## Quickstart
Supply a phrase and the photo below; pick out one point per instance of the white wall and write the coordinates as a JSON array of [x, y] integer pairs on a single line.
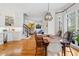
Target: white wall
[[18, 21], [51, 25], [18, 17]]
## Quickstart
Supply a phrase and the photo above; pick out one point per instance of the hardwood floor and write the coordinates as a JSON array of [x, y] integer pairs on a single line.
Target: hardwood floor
[[25, 47]]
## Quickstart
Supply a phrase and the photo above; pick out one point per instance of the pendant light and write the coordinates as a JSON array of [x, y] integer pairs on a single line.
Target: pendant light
[[48, 15]]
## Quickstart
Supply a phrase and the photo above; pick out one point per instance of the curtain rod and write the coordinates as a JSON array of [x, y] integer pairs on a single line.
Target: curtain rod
[[65, 9]]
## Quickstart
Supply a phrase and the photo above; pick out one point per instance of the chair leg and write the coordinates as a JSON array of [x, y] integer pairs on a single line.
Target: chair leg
[[62, 51], [36, 52], [70, 51], [45, 51]]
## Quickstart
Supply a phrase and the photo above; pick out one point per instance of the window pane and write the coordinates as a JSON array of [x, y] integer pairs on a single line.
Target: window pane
[[78, 20], [72, 21]]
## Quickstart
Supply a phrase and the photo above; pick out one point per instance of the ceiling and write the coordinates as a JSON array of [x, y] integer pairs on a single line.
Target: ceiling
[[32, 9]]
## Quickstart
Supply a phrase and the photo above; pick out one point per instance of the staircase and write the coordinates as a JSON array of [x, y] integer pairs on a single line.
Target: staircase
[[26, 30]]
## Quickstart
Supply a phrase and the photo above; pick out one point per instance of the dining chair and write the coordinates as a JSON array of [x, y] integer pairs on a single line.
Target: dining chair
[[40, 47], [66, 42]]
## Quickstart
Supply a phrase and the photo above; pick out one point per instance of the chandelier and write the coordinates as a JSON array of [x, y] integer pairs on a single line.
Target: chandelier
[[48, 15]]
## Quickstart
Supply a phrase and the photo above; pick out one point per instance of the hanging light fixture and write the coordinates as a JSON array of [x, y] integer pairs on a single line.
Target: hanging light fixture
[[48, 15]]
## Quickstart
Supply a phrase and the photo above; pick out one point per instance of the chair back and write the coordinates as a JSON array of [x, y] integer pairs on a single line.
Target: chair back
[[68, 36], [39, 40]]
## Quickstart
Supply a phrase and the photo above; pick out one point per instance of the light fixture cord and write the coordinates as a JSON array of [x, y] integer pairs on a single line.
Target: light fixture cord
[[48, 7]]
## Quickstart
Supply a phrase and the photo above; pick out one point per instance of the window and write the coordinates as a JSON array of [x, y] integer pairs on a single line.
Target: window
[[78, 21], [71, 21], [60, 23]]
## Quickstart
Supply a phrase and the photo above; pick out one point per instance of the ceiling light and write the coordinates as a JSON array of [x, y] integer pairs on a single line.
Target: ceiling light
[[48, 15]]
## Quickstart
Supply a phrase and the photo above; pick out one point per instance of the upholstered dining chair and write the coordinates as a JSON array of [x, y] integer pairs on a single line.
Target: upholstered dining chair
[[40, 47]]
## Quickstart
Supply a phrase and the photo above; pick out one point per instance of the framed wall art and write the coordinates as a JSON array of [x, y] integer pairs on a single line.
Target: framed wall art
[[9, 21]]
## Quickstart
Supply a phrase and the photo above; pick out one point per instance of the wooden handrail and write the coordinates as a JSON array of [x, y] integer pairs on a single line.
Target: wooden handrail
[[26, 27]]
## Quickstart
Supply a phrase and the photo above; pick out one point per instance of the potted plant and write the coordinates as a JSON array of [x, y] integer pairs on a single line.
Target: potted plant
[[77, 39]]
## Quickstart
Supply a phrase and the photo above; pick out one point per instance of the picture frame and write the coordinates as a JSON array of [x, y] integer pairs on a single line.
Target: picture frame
[[9, 21]]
